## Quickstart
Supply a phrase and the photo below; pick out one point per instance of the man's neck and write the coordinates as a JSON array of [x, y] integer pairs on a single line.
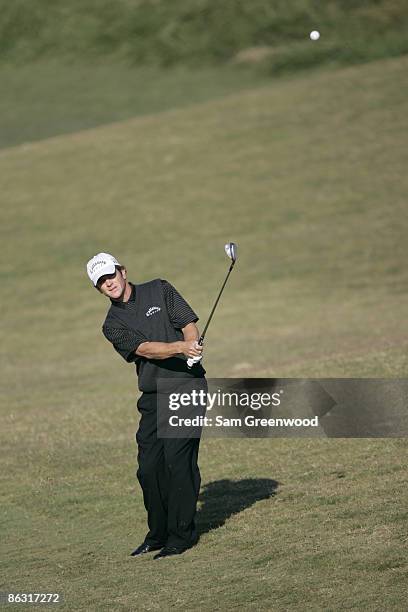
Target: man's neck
[[127, 293]]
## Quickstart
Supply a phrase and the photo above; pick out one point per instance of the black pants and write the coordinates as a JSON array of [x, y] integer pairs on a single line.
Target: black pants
[[170, 479]]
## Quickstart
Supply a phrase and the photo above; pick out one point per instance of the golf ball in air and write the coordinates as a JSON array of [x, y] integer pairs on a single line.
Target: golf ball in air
[[315, 35]]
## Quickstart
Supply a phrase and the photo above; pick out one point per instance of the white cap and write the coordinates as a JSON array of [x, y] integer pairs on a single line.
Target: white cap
[[102, 263]]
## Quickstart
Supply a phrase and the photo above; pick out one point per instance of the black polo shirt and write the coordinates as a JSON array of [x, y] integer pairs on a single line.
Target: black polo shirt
[[155, 312]]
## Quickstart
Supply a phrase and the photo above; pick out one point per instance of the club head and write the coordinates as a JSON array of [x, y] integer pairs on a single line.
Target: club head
[[231, 251]]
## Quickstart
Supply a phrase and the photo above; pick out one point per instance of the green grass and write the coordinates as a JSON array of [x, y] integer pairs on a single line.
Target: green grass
[[46, 98], [201, 32], [308, 175], [65, 67]]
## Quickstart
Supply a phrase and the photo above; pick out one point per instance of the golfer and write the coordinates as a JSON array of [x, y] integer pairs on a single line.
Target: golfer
[[152, 326]]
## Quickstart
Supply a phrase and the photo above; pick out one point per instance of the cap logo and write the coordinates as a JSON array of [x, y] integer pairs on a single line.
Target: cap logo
[[101, 262]]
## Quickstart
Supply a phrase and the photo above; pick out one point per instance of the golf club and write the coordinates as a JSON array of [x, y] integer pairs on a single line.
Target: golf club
[[231, 251]]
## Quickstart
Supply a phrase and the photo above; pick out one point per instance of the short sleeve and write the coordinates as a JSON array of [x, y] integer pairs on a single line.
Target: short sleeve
[[125, 341], [180, 312]]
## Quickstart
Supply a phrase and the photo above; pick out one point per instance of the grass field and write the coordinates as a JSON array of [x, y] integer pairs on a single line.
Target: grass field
[[43, 99], [308, 176]]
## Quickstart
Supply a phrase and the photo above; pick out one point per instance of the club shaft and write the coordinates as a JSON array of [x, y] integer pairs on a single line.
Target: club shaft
[[201, 340]]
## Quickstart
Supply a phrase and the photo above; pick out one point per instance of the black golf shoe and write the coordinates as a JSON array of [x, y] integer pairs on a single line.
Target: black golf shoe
[[143, 549], [169, 551]]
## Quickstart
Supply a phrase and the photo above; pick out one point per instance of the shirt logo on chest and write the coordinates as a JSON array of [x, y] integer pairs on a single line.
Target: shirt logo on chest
[[152, 310]]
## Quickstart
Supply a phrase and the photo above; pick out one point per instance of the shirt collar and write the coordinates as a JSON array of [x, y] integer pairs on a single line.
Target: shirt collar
[[131, 299]]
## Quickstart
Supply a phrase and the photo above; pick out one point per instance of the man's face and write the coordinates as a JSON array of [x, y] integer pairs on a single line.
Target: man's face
[[113, 285]]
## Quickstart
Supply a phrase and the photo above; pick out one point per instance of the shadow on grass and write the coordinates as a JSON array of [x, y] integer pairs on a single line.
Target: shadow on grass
[[223, 498]]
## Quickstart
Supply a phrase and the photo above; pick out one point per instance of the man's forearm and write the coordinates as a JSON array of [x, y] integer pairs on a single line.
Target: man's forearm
[[190, 332], [159, 350]]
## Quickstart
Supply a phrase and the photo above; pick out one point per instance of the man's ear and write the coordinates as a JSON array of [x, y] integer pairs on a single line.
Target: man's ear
[[123, 271]]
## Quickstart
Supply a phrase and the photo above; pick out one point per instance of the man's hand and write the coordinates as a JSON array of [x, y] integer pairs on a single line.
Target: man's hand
[[193, 360], [191, 348]]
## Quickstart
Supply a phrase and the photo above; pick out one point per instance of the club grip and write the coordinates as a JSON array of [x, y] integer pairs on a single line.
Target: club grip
[[190, 360]]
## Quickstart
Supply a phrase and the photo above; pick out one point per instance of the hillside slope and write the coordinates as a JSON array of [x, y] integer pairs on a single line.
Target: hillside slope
[[308, 177]]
